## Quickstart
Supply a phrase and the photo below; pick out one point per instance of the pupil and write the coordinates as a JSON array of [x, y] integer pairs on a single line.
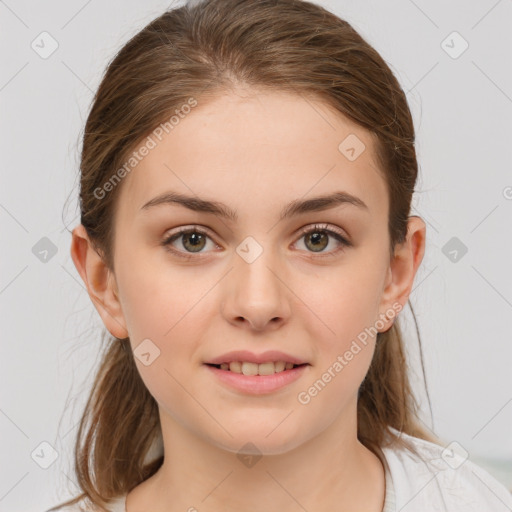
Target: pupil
[[194, 239], [315, 238]]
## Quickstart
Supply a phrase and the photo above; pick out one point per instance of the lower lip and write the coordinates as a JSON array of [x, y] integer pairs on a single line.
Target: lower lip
[[258, 384]]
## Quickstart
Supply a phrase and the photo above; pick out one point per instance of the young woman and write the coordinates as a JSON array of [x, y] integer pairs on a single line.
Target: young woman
[[246, 181]]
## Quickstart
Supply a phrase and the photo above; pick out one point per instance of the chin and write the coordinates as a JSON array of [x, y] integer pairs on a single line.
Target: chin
[[251, 441]]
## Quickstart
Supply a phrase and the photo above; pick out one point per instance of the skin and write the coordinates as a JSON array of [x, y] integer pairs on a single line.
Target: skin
[[254, 151]]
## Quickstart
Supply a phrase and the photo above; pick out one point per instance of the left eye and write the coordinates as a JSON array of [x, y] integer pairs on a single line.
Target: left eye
[[193, 240], [318, 236]]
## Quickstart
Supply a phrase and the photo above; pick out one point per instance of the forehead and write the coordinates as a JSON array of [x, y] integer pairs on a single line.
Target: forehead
[[256, 149]]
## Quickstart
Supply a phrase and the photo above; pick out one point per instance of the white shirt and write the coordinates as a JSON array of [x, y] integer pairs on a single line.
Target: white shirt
[[431, 483]]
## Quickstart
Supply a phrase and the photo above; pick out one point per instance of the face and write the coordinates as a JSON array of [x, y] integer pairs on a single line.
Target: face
[[310, 284]]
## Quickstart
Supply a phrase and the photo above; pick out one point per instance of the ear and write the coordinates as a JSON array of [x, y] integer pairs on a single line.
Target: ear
[[100, 282], [402, 270]]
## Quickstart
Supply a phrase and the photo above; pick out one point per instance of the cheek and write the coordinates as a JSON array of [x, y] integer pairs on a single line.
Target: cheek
[[343, 312], [343, 301], [170, 306], [165, 305], [158, 298]]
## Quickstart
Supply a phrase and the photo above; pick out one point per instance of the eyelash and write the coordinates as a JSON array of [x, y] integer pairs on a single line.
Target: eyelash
[[323, 228]]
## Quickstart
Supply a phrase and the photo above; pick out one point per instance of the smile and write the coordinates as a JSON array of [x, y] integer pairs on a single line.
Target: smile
[[256, 379], [248, 368]]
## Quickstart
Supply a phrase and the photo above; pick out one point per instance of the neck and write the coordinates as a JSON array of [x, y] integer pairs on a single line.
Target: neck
[[331, 471]]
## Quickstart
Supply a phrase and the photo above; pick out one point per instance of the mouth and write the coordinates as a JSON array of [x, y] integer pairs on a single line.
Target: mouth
[[251, 378], [262, 369]]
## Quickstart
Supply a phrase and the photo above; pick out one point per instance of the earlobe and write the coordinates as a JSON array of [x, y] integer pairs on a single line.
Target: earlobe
[[99, 281], [403, 267]]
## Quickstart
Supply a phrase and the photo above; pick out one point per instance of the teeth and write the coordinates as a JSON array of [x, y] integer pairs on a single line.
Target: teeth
[[279, 366], [250, 368], [257, 369], [235, 366]]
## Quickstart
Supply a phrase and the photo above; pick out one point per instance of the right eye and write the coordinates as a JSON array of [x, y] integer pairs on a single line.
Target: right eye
[[193, 240]]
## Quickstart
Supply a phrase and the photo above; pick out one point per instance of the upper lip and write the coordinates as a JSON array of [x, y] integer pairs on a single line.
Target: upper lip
[[251, 357]]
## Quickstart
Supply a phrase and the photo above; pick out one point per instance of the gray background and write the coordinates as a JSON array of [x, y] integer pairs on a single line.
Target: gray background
[[462, 110]]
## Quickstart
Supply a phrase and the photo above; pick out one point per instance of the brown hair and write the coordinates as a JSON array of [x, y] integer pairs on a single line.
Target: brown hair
[[282, 45]]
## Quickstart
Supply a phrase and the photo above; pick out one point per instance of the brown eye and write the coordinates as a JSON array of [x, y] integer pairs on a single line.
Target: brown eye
[[193, 240], [318, 237], [317, 240]]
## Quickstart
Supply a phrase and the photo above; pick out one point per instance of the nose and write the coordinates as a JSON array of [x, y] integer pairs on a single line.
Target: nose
[[256, 294]]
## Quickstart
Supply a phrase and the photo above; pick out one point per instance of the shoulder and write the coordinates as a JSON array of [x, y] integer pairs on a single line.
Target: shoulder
[[439, 479]]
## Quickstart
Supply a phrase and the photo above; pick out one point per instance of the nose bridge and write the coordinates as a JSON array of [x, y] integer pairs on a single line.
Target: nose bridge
[[253, 267], [256, 291]]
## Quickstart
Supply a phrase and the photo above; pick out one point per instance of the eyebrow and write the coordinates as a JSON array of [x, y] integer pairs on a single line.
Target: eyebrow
[[295, 207]]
